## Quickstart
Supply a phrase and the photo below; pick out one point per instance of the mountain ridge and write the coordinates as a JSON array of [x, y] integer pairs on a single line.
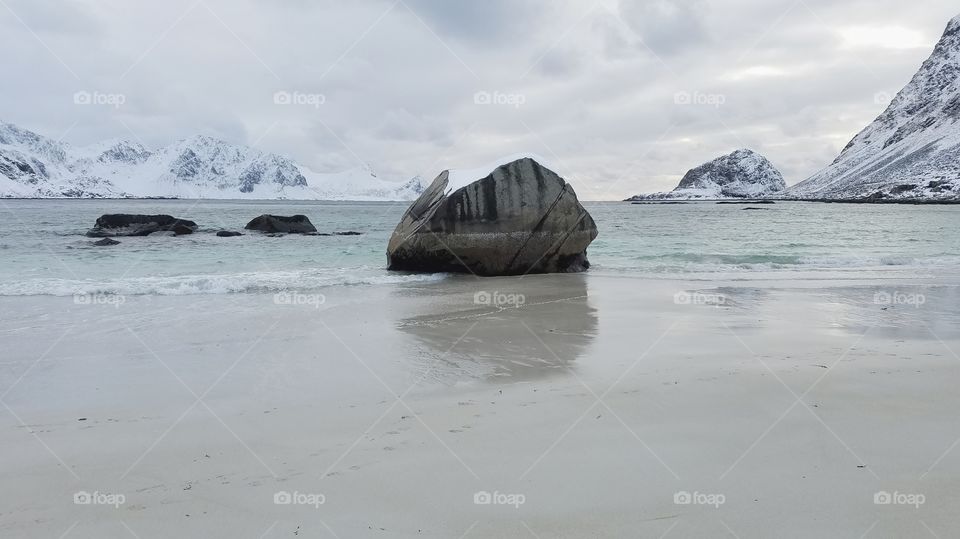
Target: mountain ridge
[[199, 166], [912, 149]]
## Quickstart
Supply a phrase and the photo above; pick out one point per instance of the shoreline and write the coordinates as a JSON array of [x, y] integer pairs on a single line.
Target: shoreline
[[696, 396], [906, 201]]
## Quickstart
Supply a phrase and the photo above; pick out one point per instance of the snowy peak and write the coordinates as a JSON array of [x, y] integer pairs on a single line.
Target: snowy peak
[[953, 27], [209, 162], [912, 149], [115, 151], [33, 166], [740, 174], [18, 139]]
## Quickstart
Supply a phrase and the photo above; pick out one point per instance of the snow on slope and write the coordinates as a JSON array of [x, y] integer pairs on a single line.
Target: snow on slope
[[912, 150], [33, 166], [741, 174]]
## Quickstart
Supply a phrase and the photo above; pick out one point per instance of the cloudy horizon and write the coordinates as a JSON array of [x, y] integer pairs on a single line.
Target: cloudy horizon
[[623, 97]]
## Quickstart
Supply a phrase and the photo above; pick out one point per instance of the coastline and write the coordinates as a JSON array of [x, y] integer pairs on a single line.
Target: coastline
[[909, 201], [864, 200], [697, 396]]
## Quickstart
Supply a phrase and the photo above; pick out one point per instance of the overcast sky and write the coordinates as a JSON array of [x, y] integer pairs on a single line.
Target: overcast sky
[[623, 96]]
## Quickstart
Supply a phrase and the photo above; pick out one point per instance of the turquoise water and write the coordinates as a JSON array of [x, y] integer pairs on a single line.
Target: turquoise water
[[44, 250]]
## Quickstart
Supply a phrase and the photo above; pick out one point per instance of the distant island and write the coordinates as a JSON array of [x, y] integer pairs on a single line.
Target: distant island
[[741, 174]]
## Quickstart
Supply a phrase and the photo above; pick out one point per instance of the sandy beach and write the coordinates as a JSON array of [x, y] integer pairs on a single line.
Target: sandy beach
[[542, 406]]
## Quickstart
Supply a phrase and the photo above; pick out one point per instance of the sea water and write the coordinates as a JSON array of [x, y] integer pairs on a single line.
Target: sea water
[[44, 251]]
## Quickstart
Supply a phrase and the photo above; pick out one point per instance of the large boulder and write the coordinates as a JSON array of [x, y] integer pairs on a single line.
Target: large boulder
[[296, 224], [123, 224], [521, 218]]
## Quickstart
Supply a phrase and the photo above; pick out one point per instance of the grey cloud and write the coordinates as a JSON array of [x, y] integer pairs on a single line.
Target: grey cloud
[[399, 99], [667, 26], [488, 21]]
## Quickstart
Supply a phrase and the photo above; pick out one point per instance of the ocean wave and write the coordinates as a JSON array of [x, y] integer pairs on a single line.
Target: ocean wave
[[723, 259], [185, 285], [700, 262]]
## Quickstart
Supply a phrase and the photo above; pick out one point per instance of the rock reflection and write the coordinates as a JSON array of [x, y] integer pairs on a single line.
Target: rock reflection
[[512, 329]]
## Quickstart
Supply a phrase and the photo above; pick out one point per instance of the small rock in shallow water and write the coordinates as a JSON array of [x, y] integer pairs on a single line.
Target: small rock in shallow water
[[122, 224], [106, 241], [228, 234], [180, 229]]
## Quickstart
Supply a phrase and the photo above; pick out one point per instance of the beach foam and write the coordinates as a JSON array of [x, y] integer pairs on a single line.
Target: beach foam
[[185, 285]]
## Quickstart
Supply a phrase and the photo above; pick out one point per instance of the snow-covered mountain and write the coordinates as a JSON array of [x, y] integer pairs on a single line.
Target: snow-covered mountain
[[33, 166], [741, 174], [912, 150]]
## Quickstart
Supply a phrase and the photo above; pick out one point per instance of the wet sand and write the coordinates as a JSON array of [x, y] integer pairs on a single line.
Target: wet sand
[[595, 408]]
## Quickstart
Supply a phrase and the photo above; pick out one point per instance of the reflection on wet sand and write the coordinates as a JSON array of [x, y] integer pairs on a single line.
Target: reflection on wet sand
[[516, 328]]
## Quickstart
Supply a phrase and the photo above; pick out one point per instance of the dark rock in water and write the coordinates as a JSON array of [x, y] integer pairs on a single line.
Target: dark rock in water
[[317, 234], [746, 202], [521, 218], [297, 224], [348, 233], [660, 202], [228, 234], [755, 208], [122, 224], [106, 241]]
